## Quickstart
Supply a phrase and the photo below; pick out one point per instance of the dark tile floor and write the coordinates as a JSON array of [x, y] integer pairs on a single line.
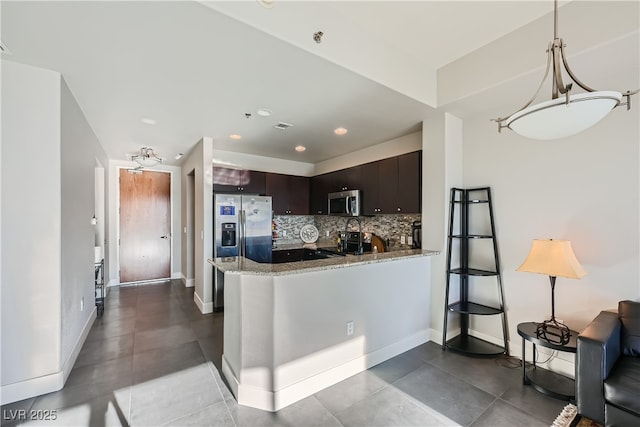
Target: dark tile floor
[[152, 359]]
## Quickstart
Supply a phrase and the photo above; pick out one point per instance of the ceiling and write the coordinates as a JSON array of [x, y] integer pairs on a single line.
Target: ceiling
[[197, 68]]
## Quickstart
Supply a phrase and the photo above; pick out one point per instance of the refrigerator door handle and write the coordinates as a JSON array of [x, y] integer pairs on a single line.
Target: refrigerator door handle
[[243, 241]]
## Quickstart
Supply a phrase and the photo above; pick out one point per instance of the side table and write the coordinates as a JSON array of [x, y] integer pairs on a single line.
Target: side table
[[547, 382]]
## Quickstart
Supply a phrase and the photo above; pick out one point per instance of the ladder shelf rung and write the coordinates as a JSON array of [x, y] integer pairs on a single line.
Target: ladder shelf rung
[[472, 236], [467, 307], [472, 272]]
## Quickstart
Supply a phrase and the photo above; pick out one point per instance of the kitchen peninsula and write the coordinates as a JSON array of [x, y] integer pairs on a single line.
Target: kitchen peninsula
[[295, 328]]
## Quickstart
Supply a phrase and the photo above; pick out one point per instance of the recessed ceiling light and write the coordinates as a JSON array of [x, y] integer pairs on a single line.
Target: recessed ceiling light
[[264, 112], [235, 136], [300, 148], [148, 121], [340, 131]]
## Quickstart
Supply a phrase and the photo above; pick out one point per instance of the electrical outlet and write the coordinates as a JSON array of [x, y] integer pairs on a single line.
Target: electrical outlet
[[82, 304], [402, 240], [327, 233], [284, 233], [409, 240], [350, 328]]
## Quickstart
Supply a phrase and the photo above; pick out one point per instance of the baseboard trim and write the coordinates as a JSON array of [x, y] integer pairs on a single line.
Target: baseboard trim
[[188, 283], [47, 383], [71, 360], [205, 307], [275, 400]]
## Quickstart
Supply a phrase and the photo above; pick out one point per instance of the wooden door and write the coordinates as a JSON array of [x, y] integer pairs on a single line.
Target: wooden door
[[145, 226]]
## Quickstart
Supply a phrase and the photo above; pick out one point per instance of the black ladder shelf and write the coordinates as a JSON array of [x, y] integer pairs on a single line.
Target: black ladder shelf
[[460, 235]]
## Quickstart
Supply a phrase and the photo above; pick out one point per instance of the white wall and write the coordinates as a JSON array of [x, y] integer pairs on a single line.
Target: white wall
[[199, 161], [79, 149], [47, 236], [442, 169], [260, 163], [282, 345], [394, 147], [585, 189], [31, 229], [114, 205]]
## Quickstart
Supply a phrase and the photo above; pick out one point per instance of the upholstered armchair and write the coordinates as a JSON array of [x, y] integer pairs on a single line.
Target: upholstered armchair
[[608, 367]]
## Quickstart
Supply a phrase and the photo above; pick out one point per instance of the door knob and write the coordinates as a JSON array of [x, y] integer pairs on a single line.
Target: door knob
[[164, 237]]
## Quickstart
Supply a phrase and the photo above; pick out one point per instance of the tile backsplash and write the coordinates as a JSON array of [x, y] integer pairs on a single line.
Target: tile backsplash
[[388, 227]]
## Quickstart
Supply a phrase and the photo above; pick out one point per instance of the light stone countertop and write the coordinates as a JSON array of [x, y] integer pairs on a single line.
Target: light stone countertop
[[241, 265]]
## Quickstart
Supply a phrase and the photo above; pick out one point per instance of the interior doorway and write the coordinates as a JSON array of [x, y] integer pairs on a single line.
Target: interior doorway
[[145, 226]]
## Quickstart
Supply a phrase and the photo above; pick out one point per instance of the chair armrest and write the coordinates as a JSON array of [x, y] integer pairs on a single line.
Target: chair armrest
[[597, 352]]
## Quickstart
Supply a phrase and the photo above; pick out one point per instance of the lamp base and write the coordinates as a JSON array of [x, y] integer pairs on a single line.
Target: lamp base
[[553, 331]]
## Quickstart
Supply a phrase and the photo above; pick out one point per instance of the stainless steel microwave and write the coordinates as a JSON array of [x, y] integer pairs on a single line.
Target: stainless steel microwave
[[346, 203]]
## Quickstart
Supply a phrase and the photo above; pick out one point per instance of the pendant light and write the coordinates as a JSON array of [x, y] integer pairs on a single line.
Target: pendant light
[[147, 158], [565, 114]]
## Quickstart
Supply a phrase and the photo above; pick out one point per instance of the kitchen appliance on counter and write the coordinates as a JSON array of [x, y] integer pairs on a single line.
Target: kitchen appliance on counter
[[350, 240], [241, 227], [416, 234], [344, 203]]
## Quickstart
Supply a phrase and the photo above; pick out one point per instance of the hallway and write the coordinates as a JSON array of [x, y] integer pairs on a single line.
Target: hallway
[[154, 359]]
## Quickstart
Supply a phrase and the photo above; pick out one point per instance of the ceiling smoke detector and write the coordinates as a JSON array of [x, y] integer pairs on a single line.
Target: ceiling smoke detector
[[283, 126]]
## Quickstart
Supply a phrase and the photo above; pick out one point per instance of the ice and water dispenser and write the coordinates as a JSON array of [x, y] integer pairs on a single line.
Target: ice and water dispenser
[[228, 234]]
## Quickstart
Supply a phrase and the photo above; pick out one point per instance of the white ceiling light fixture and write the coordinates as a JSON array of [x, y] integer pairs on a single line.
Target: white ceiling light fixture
[[235, 136], [268, 4], [566, 115], [300, 148], [264, 112], [340, 131], [147, 158]]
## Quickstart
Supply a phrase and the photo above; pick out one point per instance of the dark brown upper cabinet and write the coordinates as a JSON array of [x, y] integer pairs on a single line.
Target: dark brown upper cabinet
[[227, 180], [320, 188], [290, 193], [392, 185]]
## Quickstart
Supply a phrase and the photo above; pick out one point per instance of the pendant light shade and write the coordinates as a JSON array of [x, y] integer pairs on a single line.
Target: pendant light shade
[[147, 158], [558, 119]]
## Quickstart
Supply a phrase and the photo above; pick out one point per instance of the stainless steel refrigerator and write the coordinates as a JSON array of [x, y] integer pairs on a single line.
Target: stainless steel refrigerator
[[241, 227]]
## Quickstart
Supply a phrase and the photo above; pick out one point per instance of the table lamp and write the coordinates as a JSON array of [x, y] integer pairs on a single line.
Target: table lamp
[[553, 258]]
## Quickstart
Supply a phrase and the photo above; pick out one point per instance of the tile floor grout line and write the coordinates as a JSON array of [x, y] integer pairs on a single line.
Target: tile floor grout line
[[211, 367]]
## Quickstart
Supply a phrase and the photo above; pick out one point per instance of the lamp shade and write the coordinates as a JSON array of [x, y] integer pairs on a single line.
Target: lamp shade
[[553, 258], [556, 119]]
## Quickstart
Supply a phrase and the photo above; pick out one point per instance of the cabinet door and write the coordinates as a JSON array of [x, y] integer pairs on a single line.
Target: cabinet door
[[319, 191], [257, 183], [276, 187], [369, 188], [298, 191], [388, 185], [410, 182], [227, 180], [347, 179]]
